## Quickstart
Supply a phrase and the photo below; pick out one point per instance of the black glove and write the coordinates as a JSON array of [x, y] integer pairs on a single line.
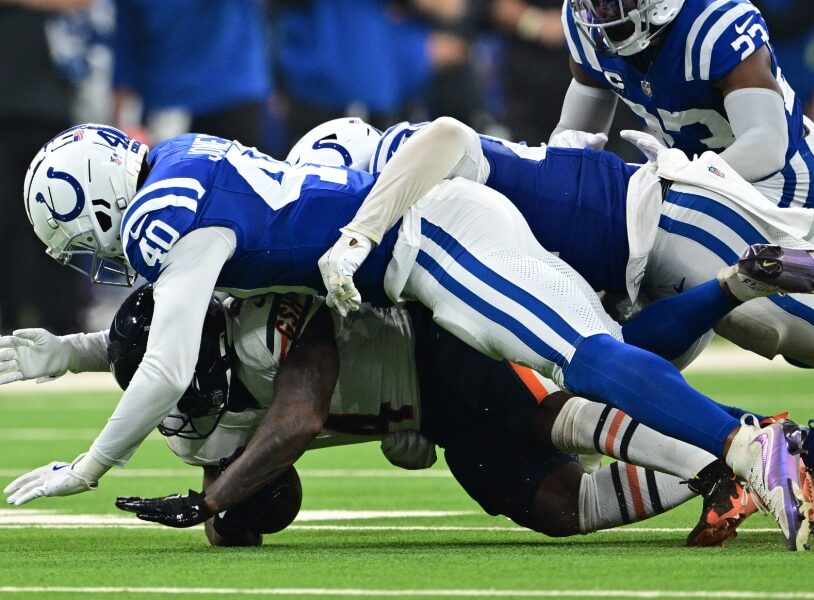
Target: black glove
[[172, 511]]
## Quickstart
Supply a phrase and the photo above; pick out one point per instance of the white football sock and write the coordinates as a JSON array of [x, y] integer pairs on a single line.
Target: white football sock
[[622, 493], [585, 427]]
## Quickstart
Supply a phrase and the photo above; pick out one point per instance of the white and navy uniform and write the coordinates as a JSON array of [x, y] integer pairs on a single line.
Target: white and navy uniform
[[614, 223], [398, 370], [376, 392], [676, 99]]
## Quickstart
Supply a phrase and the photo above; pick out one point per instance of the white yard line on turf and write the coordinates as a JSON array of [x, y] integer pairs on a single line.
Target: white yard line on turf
[[15, 518], [435, 593], [320, 473]]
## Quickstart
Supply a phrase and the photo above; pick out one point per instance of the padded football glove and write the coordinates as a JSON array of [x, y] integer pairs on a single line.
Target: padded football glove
[[172, 511]]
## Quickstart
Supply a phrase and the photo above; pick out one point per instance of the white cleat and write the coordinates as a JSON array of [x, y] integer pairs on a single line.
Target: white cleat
[[766, 459]]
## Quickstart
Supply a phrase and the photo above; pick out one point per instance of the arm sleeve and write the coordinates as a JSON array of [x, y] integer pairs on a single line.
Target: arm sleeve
[[444, 149], [586, 108], [88, 351], [758, 120], [182, 295]]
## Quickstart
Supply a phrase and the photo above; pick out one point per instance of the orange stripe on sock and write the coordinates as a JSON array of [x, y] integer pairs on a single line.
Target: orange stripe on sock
[[610, 440], [530, 380], [635, 491]]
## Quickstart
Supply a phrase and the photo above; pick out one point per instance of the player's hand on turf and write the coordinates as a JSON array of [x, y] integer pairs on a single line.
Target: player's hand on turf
[[647, 144], [573, 138], [409, 450], [172, 511], [32, 353], [54, 479], [338, 265]]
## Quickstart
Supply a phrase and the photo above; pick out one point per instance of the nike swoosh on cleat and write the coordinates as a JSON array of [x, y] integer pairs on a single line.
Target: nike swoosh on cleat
[[763, 440], [57, 468]]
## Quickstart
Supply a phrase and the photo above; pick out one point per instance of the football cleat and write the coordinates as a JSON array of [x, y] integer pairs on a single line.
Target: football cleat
[[767, 460], [807, 472], [764, 270], [727, 504]]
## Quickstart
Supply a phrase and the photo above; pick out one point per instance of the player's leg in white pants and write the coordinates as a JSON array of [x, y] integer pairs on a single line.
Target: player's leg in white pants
[[488, 281], [471, 258], [699, 233]]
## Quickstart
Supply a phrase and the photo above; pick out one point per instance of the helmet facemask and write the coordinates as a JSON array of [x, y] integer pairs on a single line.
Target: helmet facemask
[[622, 27]]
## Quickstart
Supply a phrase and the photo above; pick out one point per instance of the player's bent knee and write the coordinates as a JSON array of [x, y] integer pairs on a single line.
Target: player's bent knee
[[555, 506]]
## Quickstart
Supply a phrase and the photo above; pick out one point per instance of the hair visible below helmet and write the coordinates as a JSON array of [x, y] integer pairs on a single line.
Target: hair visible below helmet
[[76, 189], [623, 27], [347, 142], [204, 402]]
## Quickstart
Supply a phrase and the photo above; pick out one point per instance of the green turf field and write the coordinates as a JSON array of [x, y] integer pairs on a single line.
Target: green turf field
[[74, 546]]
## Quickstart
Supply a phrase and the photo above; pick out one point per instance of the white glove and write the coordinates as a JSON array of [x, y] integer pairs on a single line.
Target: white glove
[[54, 479], [648, 144], [409, 450], [573, 138], [32, 353], [338, 265]]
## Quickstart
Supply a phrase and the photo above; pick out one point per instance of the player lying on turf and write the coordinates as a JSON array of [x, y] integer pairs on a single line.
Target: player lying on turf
[[506, 431], [635, 233], [202, 212]]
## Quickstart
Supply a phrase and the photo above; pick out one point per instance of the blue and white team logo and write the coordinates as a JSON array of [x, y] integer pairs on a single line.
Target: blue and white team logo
[[77, 188]]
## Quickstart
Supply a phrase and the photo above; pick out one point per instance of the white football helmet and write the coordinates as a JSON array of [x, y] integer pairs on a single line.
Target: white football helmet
[[623, 27], [76, 190], [348, 142]]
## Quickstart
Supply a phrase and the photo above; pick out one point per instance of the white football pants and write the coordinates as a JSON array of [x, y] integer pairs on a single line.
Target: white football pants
[[466, 253]]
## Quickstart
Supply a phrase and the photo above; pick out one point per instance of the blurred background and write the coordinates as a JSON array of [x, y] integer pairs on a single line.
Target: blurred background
[[265, 72]]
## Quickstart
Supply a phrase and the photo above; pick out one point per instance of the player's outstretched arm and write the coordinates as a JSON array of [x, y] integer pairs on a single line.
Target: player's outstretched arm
[[443, 149], [302, 397], [41, 355], [757, 113], [182, 294]]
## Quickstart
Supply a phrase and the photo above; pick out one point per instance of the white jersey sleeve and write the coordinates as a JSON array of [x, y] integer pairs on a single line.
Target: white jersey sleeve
[[444, 149], [182, 294]]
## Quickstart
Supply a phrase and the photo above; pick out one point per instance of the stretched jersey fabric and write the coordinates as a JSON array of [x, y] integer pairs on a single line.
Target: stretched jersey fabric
[[676, 98], [574, 200], [284, 218]]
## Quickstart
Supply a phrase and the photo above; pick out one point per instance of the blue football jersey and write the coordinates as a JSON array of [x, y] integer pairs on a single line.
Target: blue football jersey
[[574, 200], [675, 96], [284, 218]]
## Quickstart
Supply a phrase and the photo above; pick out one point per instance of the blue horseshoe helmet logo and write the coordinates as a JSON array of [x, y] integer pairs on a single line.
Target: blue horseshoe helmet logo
[[80, 196]]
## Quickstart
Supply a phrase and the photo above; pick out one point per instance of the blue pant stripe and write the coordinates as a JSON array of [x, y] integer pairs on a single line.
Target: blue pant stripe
[[808, 159], [743, 228], [498, 283], [719, 212], [488, 310], [696, 234], [790, 185]]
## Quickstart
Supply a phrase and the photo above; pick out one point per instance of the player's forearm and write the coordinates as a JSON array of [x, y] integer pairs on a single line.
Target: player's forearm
[[758, 119], [88, 352], [439, 151], [586, 108]]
